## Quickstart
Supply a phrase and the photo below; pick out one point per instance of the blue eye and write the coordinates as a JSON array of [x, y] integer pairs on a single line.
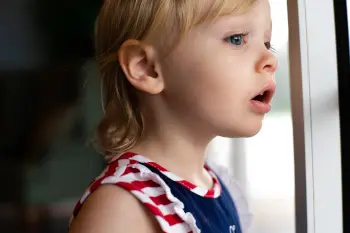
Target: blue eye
[[237, 39]]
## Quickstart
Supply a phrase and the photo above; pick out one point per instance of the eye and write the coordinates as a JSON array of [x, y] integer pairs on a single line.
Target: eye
[[237, 40]]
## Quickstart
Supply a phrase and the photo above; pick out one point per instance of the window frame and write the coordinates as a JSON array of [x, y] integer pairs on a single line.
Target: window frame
[[315, 113]]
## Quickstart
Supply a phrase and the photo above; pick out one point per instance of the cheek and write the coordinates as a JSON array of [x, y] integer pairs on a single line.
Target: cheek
[[221, 76], [213, 94], [214, 78], [222, 89]]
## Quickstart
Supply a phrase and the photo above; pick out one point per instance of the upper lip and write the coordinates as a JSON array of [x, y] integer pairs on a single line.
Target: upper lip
[[268, 91]]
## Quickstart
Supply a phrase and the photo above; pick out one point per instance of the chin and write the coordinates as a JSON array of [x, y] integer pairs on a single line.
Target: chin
[[251, 133], [243, 131]]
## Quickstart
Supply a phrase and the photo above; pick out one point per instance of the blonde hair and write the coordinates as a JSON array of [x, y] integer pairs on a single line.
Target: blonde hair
[[120, 20]]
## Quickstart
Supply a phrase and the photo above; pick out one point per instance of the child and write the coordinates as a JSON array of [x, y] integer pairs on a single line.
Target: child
[[175, 74]]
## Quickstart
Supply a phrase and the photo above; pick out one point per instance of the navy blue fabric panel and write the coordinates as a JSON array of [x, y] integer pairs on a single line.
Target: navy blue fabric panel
[[213, 215]]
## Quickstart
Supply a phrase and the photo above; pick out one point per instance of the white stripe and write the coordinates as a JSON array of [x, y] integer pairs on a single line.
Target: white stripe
[[217, 189], [123, 162], [167, 209], [118, 172], [172, 176], [143, 198], [200, 191], [126, 178], [177, 228], [153, 191], [164, 225], [180, 228], [146, 193], [217, 192], [86, 194]]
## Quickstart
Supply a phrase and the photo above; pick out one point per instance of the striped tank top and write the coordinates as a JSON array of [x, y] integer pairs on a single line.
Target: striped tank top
[[178, 205]]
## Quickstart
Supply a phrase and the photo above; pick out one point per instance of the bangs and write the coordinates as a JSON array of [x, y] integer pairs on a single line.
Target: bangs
[[209, 10], [195, 12], [175, 18]]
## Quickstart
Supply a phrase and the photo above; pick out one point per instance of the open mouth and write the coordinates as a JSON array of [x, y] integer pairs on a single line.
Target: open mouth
[[264, 97], [261, 101]]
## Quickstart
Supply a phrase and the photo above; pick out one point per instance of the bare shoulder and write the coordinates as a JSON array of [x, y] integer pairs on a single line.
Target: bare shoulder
[[111, 209]]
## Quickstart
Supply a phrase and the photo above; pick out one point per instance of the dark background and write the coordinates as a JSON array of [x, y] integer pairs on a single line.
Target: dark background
[[49, 107]]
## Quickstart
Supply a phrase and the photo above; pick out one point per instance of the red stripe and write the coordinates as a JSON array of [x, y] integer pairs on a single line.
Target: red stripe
[[76, 209], [173, 219], [95, 185], [210, 193], [110, 171], [138, 185], [127, 155], [161, 200], [187, 184], [129, 170], [215, 180], [153, 209], [145, 184]]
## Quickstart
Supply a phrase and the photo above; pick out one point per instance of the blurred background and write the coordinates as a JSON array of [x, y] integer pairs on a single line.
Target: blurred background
[[49, 93]]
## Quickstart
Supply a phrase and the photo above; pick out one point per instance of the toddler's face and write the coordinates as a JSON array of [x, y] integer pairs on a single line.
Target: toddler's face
[[215, 72]]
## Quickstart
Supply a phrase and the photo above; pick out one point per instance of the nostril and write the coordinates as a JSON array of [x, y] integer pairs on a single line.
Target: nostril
[[267, 64], [270, 68]]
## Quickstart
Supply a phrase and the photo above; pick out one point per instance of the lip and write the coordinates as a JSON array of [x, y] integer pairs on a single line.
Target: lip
[[264, 106]]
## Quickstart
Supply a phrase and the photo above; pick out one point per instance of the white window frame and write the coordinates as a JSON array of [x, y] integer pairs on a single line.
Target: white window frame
[[315, 112]]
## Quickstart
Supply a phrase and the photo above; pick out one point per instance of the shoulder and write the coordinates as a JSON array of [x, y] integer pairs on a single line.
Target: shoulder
[[113, 209]]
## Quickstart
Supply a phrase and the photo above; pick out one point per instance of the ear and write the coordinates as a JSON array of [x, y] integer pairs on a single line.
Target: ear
[[138, 62]]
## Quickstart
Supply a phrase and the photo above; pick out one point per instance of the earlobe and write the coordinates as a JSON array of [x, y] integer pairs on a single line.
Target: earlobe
[[138, 62]]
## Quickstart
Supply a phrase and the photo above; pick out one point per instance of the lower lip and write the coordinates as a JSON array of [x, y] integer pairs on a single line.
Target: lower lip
[[260, 107]]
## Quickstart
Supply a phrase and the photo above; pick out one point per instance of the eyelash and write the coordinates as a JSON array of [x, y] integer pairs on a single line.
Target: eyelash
[[244, 35], [269, 46]]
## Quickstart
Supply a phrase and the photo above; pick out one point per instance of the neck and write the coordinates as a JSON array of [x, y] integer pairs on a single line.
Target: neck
[[173, 152], [176, 147]]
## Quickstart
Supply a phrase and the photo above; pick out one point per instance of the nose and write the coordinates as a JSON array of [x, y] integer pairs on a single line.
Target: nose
[[268, 63]]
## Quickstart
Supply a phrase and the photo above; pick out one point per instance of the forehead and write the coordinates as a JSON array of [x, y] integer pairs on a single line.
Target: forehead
[[259, 8], [258, 15]]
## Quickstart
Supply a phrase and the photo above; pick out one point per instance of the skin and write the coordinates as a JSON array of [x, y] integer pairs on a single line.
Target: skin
[[111, 209], [202, 89]]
